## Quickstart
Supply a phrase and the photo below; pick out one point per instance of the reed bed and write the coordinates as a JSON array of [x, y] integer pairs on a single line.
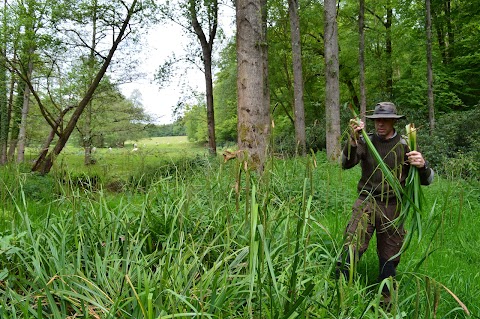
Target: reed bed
[[190, 246]]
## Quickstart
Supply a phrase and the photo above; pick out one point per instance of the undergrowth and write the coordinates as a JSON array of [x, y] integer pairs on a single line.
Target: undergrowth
[[209, 240]]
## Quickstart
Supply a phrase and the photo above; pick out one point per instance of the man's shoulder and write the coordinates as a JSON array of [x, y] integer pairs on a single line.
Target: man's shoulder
[[403, 140], [370, 136]]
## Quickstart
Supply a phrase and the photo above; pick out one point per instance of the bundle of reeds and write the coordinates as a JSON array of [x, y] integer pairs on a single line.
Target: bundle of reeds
[[413, 198]]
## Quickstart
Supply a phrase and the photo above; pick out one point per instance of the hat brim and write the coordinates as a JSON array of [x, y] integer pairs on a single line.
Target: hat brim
[[385, 116]]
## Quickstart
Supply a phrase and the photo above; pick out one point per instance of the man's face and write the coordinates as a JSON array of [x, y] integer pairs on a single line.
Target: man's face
[[384, 127]]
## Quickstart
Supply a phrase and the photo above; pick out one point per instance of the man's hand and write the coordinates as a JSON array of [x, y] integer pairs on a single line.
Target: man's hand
[[416, 159], [355, 127]]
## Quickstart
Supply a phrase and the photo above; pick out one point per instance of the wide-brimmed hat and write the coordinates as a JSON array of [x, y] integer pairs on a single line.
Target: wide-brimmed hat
[[385, 110]]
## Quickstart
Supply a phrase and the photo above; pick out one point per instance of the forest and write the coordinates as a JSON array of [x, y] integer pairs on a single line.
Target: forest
[[237, 208]]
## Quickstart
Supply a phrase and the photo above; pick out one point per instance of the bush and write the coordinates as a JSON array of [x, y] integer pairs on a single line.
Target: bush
[[144, 177], [37, 187], [17, 179], [315, 138], [454, 148]]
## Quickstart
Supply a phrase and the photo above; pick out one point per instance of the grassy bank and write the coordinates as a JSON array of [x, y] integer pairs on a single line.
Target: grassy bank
[[180, 241]]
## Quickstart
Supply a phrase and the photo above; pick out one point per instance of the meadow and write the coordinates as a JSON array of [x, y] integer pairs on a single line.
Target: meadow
[[168, 232]]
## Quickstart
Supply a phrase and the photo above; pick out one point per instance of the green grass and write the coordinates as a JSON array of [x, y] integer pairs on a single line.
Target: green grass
[[186, 244], [122, 160]]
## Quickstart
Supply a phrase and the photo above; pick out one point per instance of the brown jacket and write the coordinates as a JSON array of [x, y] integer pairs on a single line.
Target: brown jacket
[[393, 151]]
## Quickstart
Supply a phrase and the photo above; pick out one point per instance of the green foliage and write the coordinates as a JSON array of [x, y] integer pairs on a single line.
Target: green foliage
[[454, 147], [225, 96], [19, 181], [196, 123], [144, 177], [125, 119], [39, 188], [456, 77], [174, 129], [284, 138]]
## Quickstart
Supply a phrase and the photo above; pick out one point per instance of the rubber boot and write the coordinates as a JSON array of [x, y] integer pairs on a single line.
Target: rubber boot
[[343, 268], [343, 264], [387, 269]]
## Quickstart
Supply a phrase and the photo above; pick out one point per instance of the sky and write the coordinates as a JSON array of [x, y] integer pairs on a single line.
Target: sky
[[161, 42]]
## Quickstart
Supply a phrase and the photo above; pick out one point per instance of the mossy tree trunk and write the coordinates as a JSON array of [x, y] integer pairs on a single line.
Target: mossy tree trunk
[[252, 82], [332, 90]]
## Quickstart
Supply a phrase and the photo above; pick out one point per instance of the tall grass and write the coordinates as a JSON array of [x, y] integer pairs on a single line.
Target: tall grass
[[189, 245]]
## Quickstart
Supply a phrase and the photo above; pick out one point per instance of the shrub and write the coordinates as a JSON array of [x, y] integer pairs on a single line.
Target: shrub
[[454, 148], [145, 176], [315, 138], [37, 187], [17, 179]]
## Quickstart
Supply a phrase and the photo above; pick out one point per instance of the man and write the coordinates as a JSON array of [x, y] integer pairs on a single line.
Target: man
[[377, 205]]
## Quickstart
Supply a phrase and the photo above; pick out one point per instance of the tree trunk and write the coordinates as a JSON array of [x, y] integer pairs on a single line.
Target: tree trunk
[[388, 51], [27, 53], [450, 33], [298, 101], [252, 82], [87, 139], [207, 47], [15, 115], [332, 91], [361, 60], [212, 145], [37, 166], [45, 164], [431, 107], [3, 90], [22, 134]]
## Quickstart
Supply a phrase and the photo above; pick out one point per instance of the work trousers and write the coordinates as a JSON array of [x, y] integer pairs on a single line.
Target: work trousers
[[370, 215]]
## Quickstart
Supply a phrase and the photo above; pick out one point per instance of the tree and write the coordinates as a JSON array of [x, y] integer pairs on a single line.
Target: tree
[[195, 117], [388, 50], [361, 59], [44, 163], [252, 81], [225, 93], [428, 27], [386, 21], [456, 85], [207, 48], [91, 66], [332, 91], [125, 118], [201, 19], [29, 22], [298, 104], [4, 115]]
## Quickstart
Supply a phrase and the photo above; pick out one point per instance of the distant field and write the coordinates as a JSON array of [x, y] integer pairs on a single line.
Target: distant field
[[120, 161], [161, 141]]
